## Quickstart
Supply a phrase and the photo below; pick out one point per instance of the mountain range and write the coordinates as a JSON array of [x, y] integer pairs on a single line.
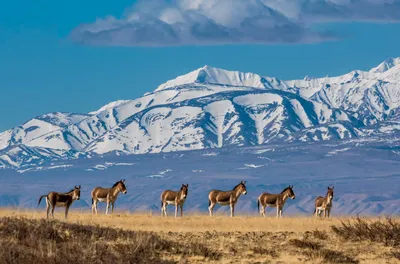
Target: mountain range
[[215, 108]]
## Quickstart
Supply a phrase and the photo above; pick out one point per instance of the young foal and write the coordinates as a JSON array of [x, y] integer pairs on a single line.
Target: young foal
[[324, 203], [55, 199], [275, 200], [107, 195], [226, 198], [176, 198]]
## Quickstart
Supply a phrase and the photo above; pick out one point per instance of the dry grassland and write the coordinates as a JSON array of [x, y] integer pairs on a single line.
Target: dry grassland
[[146, 238]]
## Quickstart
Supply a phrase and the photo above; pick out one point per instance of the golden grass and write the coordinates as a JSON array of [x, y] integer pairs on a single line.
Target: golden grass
[[242, 239], [189, 223]]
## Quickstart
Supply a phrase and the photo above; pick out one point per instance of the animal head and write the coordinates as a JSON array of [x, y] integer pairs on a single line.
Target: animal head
[[242, 187], [330, 192], [184, 191], [121, 186], [289, 191], [76, 192]]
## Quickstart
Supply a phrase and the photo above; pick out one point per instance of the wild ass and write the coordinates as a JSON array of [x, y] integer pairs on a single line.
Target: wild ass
[[107, 195], [226, 197], [275, 200], [176, 198], [55, 199], [324, 203]]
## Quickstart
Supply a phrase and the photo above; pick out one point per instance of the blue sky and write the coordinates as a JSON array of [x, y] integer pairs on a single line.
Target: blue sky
[[47, 64]]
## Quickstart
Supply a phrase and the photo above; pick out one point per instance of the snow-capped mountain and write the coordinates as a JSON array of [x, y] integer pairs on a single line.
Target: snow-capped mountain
[[214, 108]]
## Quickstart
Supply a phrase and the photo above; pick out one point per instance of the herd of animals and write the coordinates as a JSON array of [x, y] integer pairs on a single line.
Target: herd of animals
[[110, 195]]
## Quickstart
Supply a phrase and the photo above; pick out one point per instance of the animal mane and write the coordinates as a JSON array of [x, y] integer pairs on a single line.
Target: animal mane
[[69, 191], [284, 190], [115, 184], [236, 186]]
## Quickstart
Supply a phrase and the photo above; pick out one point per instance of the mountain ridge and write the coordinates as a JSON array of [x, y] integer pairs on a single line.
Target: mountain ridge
[[211, 108]]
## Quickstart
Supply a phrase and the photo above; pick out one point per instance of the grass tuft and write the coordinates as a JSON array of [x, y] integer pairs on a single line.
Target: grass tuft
[[40, 241], [386, 231]]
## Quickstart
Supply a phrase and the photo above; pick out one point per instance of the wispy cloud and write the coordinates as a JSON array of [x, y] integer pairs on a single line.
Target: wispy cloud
[[210, 22]]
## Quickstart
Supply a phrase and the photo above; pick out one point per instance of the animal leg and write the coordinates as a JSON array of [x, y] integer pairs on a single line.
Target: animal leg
[[66, 212], [95, 206], [211, 208], [108, 206], [280, 212], [325, 213], [263, 208], [277, 212], [232, 210], [181, 210], [47, 209], [112, 207], [329, 212], [176, 210], [53, 207]]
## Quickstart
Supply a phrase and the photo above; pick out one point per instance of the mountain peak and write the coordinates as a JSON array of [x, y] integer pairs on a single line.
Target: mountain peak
[[386, 65], [212, 75]]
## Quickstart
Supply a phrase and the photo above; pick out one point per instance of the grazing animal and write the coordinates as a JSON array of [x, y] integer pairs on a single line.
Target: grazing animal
[[275, 200], [176, 198], [55, 199], [107, 195], [226, 197], [324, 203]]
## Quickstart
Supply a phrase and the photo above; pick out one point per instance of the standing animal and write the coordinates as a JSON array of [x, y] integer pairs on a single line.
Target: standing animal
[[107, 195], [176, 198], [55, 199], [324, 203], [275, 200], [226, 197]]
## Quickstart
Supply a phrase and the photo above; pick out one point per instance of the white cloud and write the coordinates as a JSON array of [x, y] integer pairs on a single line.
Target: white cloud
[[208, 22]]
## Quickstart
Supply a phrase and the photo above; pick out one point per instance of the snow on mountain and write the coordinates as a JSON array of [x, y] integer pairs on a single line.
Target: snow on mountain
[[372, 96], [38, 127], [210, 75], [214, 108], [229, 118], [108, 106], [386, 65]]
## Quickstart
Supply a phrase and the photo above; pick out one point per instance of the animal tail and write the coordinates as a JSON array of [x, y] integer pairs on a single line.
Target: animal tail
[[92, 201], [161, 204], [315, 210], [258, 205], [41, 197], [209, 202]]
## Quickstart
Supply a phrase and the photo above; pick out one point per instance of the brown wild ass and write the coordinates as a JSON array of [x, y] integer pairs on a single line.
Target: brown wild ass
[[107, 195], [226, 198], [324, 203], [175, 198], [55, 199], [275, 200]]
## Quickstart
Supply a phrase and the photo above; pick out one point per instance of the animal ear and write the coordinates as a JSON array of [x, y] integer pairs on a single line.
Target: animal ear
[[187, 185], [291, 187], [333, 187], [244, 182], [79, 186]]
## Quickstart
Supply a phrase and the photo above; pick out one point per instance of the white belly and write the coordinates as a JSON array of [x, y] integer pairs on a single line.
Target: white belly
[[102, 199], [271, 205], [320, 208], [224, 203], [60, 204], [170, 202]]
